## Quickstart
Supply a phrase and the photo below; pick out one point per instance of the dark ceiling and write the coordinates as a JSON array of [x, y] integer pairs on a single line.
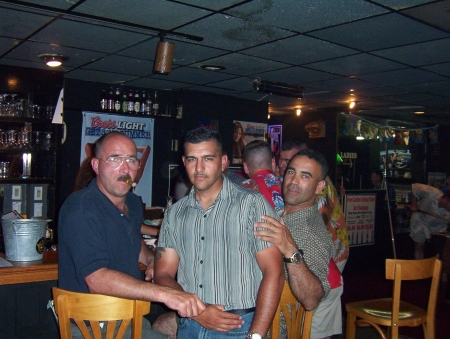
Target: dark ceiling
[[394, 54]]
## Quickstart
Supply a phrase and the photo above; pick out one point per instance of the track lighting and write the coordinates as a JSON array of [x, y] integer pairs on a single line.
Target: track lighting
[[278, 88], [352, 104], [163, 57]]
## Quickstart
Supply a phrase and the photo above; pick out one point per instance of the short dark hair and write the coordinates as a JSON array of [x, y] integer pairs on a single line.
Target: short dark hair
[[317, 156], [293, 143], [201, 134], [257, 154]]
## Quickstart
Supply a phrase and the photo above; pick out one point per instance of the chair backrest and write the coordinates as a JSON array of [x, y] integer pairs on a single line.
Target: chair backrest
[[298, 320], [399, 270], [92, 309]]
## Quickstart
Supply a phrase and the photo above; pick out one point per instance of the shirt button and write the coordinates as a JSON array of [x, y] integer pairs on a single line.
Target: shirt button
[[203, 238], [201, 261], [204, 216], [201, 286]]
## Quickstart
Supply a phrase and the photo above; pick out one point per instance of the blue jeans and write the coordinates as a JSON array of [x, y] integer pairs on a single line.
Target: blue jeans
[[190, 329]]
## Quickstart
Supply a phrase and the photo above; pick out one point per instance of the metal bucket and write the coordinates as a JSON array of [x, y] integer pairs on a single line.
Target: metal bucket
[[24, 239]]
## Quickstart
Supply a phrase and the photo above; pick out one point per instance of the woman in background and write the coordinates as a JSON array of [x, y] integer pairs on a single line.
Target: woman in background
[[238, 143]]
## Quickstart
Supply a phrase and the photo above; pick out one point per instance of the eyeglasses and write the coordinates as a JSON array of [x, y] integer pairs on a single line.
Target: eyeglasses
[[114, 162]]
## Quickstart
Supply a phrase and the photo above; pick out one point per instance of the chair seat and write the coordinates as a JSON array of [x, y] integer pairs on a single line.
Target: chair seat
[[380, 311]]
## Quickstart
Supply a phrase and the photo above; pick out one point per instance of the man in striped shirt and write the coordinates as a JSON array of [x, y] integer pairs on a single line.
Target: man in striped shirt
[[207, 241]]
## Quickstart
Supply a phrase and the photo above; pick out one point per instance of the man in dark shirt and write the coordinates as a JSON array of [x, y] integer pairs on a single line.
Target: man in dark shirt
[[100, 244]]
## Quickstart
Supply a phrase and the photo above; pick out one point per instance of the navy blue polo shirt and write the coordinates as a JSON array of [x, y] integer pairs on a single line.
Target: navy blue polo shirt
[[94, 234]]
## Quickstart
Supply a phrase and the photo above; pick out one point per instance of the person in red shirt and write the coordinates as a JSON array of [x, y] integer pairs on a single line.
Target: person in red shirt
[[259, 165]]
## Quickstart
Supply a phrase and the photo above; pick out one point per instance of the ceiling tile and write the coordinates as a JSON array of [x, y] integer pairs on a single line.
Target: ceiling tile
[[237, 84], [355, 65], [402, 77], [305, 15], [97, 76], [226, 32], [295, 75], [436, 14], [161, 14], [380, 32], [243, 64], [299, 49], [155, 83], [215, 5], [17, 24], [75, 57], [441, 88], [92, 37], [442, 69], [400, 4], [426, 53], [61, 4], [184, 53], [194, 75], [6, 44], [123, 65]]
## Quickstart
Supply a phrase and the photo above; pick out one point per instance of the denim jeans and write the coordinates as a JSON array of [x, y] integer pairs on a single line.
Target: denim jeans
[[190, 329]]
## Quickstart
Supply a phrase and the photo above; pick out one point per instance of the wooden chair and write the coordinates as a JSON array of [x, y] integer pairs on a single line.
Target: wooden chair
[[86, 308], [298, 320], [392, 312]]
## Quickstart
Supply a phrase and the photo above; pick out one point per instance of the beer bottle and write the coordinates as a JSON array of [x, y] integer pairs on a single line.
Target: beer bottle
[[155, 107], [148, 105], [103, 101], [137, 103], [143, 103], [117, 101], [124, 103], [130, 108], [111, 100]]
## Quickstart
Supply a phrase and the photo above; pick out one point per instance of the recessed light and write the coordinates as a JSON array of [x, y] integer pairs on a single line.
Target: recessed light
[[212, 67], [419, 112]]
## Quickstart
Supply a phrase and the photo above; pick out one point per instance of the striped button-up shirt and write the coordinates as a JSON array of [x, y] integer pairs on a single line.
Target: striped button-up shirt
[[217, 247]]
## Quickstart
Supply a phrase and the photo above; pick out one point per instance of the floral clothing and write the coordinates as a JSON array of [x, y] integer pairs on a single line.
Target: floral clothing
[[269, 185]]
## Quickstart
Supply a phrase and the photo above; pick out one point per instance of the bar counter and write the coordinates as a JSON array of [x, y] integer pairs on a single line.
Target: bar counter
[[32, 271]]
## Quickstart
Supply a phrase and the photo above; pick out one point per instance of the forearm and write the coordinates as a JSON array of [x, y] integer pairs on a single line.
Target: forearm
[[267, 300], [110, 282], [305, 286], [167, 280]]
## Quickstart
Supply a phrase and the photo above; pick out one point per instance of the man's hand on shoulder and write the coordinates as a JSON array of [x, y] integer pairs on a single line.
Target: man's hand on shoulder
[[214, 318], [276, 233]]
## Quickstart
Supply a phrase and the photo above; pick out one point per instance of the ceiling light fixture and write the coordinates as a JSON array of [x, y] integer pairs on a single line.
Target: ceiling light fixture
[[352, 104], [268, 116], [278, 88], [419, 112], [52, 60], [298, 111], [164, 56]]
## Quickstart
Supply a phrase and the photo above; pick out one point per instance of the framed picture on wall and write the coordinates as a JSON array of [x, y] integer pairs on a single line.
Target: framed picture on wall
[[243, 133]]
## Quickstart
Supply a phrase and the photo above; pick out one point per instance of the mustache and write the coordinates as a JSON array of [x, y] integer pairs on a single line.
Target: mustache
[[124, 177], [293, 187]]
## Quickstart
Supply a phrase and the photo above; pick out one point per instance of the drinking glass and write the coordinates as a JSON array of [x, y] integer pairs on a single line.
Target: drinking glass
[[48, 141], [36, 140]]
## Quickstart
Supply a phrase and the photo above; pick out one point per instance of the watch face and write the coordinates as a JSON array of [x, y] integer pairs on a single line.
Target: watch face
[[296, 257], [255, 336]]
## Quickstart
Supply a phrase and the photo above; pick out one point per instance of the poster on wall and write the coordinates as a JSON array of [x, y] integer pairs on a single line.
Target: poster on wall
[[138, 129], [360, 217], [243, 133]]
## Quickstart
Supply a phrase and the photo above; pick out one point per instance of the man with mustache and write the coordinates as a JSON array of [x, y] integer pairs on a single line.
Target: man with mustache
[[305, 243], [207, 242], [100, 243]]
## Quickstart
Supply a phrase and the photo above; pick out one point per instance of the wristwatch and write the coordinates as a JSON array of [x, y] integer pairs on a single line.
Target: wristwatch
[[296, 258], [254, 336]]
